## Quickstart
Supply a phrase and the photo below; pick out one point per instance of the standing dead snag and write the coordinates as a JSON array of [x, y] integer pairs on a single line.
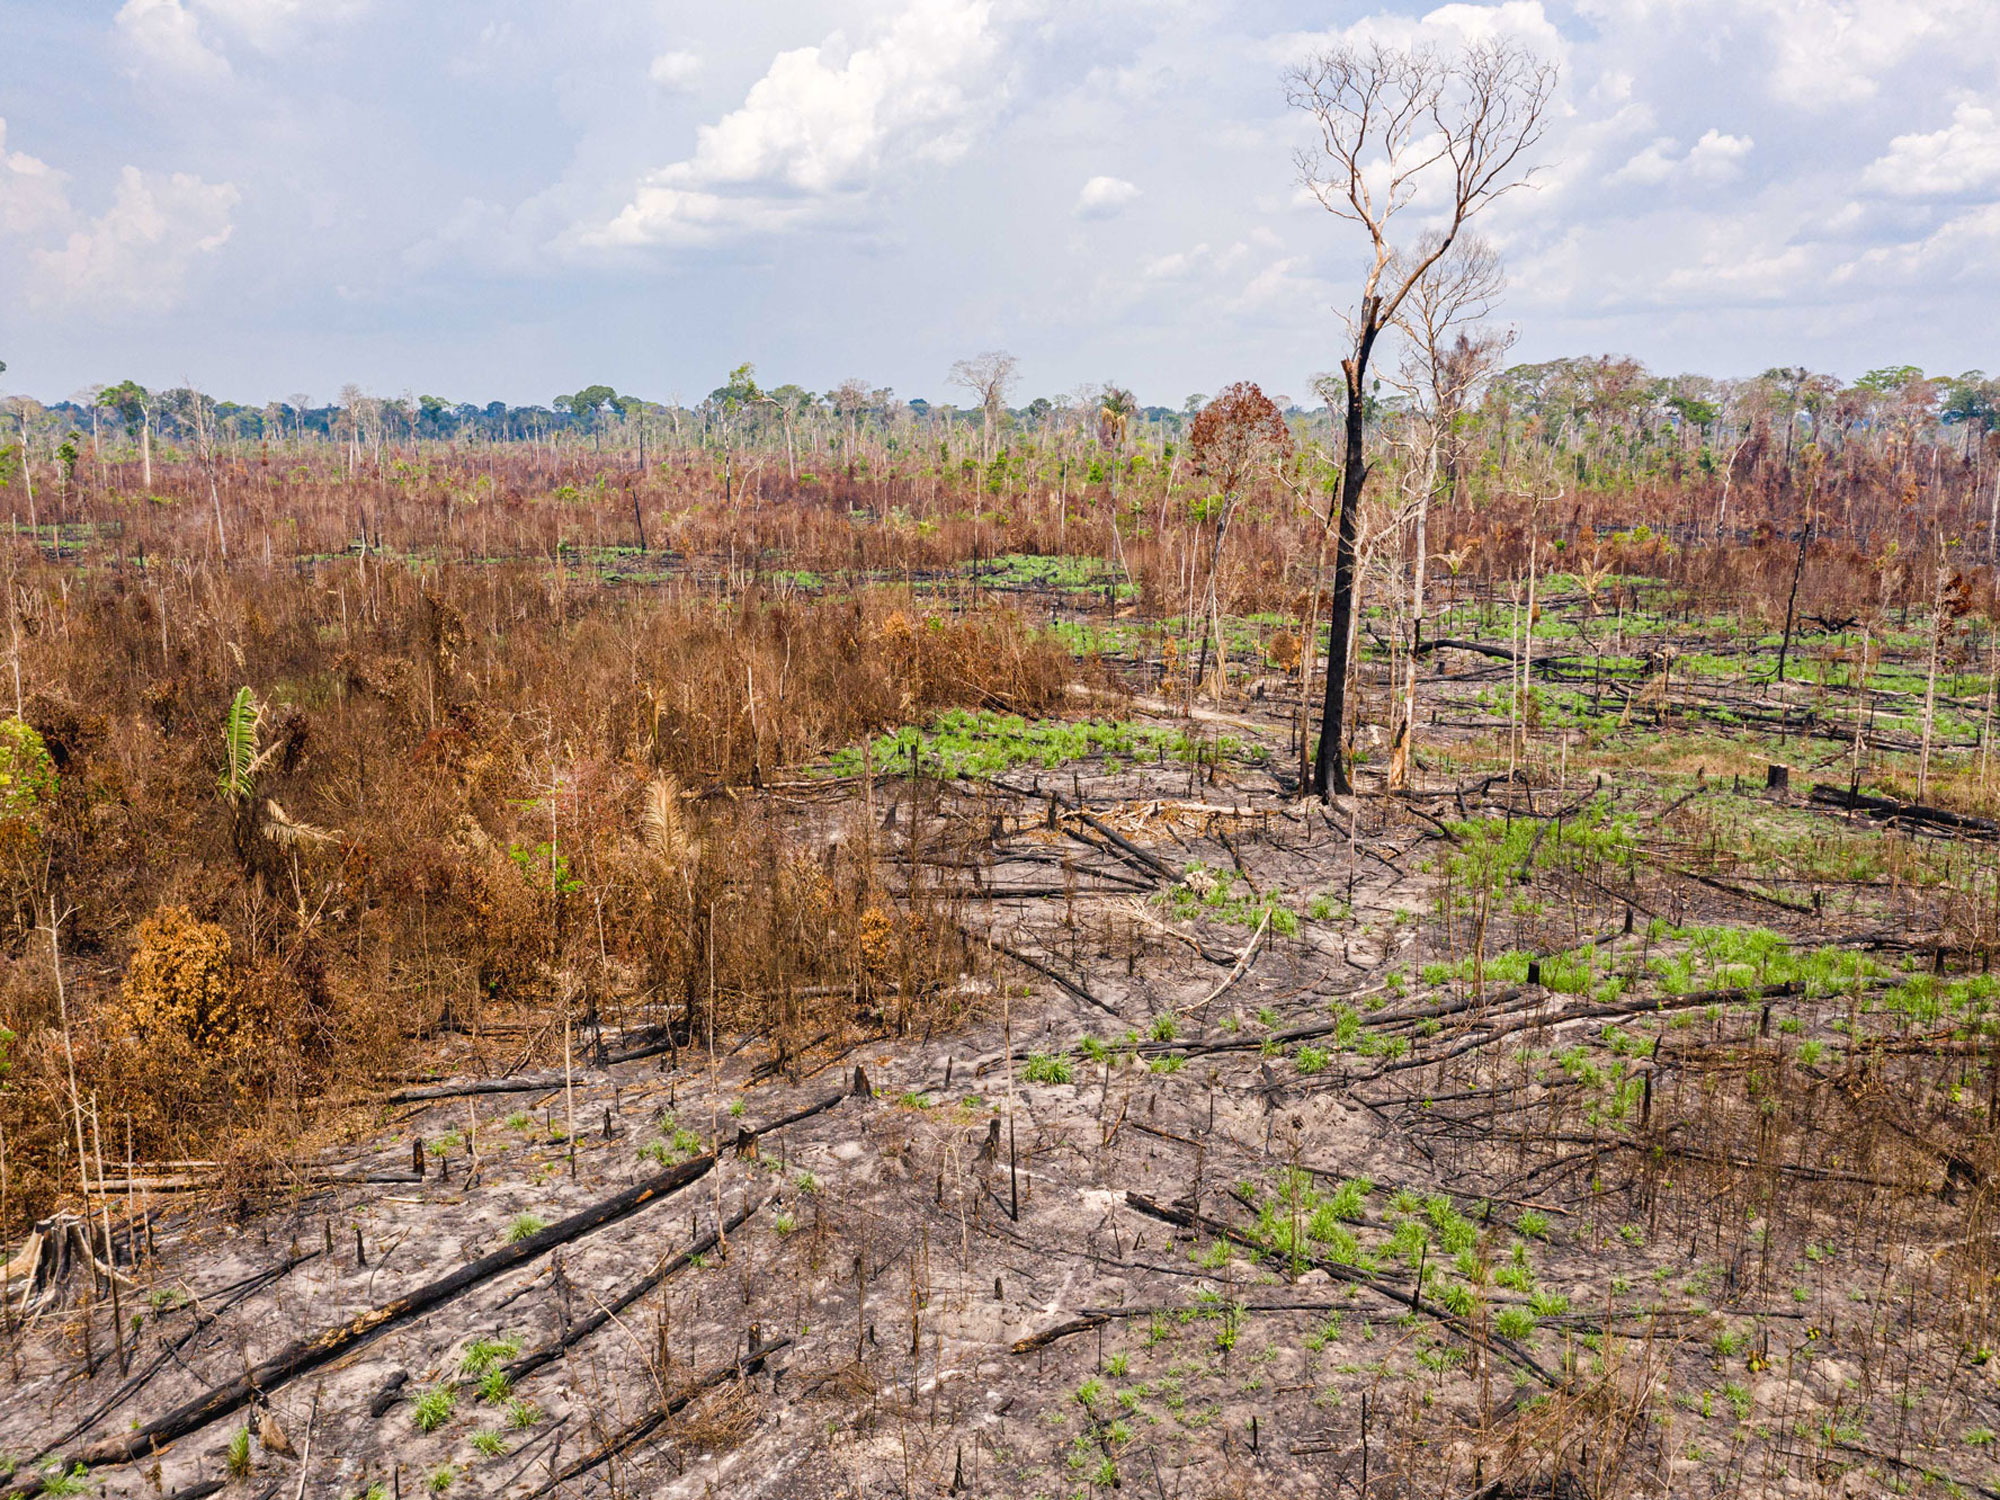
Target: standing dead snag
[[989, 377], [1439, 372], [1391, 121]]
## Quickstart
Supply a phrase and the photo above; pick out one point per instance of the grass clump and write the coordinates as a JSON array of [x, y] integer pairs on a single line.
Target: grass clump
[[1046, 1068], [1213, 894], [525, 1226], [432, 1408], [481, 1355]]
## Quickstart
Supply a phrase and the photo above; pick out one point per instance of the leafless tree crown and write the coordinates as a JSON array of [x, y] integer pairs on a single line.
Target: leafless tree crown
[[1395, 120], [988, 376], [1447, 351]]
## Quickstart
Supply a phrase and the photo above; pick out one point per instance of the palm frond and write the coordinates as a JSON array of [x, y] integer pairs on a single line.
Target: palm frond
[[660, 822], [240, 728], [281, 828]]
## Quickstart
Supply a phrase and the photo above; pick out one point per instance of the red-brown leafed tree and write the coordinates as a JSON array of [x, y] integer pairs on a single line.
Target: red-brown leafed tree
[[1239, 432]]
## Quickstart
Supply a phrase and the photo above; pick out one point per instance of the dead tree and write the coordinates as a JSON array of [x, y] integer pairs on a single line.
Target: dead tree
[[989, 377], [1393, 121], [1442, 364]]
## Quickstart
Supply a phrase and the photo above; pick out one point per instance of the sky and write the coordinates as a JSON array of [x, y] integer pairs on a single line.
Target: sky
[[490, 200]]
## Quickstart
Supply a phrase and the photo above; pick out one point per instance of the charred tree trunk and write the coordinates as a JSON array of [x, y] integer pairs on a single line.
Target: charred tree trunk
[[1330, 764]]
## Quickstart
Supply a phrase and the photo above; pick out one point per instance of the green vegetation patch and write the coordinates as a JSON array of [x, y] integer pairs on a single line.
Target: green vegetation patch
[[983, 743]]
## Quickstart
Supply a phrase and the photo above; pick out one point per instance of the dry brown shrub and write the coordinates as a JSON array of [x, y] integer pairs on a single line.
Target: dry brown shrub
[[181, 991]]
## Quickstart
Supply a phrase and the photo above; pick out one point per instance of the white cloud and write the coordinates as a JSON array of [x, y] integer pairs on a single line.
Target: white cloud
[[1653, 165], [271, 23], [1522, 20], [816, 128], [675, 70], [1965, 248], [1715, 158], [1822, 54], [164, 38], [176, 38], [32, 198], [1518, 20], [1104, 197], [1962, 158], [1833, 52], [1201, 260], [138, 252]]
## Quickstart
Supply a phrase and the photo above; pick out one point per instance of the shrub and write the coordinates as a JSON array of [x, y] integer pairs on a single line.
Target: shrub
[[180, 989], [27, 774]]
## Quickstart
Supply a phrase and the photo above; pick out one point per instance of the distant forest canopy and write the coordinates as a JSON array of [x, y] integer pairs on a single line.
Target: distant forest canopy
[[1609, 417]]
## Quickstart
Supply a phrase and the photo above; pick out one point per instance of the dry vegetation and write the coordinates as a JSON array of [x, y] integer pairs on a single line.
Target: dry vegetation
[[440, 963]]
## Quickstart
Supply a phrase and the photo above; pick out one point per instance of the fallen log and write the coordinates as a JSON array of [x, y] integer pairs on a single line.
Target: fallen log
[[308, 1354], [520, 1083], [1888, 809], [1046, 972], [205, 1312], [1730, 888], [638, 1431], [1507, 1348], [534, 1359], [1061, 1331], [1097, 1317], [1546, 665]]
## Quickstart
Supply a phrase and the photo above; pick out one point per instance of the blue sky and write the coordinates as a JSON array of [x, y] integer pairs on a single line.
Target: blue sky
[[500, 200]]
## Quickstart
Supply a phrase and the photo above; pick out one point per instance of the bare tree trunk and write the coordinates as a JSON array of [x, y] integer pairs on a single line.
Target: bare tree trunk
[[1513, 687], [1308, 649], [1930, 679], [1528, 640], [1993, 522], [1329, 765], [1792, 603], [1406, 728], [1992, 682]]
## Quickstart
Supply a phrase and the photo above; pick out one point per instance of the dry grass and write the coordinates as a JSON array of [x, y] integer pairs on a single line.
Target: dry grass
[[481, 800]]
